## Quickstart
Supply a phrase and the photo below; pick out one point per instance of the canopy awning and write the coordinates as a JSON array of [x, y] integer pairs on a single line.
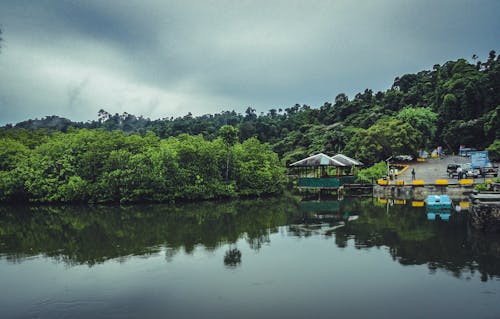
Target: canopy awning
[[318, 160], [346, 160]]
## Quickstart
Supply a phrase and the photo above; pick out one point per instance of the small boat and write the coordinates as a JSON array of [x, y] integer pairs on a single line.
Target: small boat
[[438, 206]]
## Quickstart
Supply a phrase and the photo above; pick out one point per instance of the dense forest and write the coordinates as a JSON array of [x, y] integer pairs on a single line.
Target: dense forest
[[96, 166], [453, 104], [123, 157]]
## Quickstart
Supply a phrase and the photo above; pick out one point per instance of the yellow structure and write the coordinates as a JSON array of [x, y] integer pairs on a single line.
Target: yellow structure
[[400, 183], [382, 182], [404, 169], [466, 182], [442, 182], [417, 204], [418, 182], [464, 204]]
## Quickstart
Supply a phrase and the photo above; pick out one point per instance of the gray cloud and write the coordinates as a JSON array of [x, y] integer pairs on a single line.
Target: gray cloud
[[167, 58]]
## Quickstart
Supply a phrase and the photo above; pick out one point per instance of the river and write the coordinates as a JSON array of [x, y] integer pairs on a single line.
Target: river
[[267, 258]]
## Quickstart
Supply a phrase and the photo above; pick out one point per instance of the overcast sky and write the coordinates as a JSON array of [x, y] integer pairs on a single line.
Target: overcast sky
[[167, 58]]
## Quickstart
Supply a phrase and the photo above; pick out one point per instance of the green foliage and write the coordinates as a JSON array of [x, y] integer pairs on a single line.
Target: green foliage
[[11, 153], [423, 119], [481, 187], [371, 174], [387, 137], [98, 166], [229, 135], [494, 150], [457, 103], [257, 169]]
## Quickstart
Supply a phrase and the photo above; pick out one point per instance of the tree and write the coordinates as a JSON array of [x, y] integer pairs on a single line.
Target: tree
[[370, 174], [423, 119], [232, 257], [387, 137], [450, 108], [229, 136], [341, 99], [11, 153]]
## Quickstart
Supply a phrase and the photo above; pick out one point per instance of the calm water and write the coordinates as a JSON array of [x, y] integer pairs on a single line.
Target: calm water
[[277, 258]]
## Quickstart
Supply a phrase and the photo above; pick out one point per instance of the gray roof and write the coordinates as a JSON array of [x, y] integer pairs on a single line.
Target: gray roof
[[319, 160], [346, 160]]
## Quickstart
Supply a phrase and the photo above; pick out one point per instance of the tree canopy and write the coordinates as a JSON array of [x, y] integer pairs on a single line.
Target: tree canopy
[[456, 103], [98, 166]]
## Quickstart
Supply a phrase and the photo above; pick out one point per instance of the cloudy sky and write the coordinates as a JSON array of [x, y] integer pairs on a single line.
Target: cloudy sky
[[167, 58]]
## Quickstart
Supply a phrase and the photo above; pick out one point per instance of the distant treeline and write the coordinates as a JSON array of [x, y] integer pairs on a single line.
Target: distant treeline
[[453, 104], [97, 166]]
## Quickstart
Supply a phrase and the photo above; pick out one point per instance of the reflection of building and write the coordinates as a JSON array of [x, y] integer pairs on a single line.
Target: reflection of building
[[322, 217], [321, 211], [321, 171]]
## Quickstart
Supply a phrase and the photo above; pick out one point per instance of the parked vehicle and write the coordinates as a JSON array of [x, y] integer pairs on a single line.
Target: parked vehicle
[[467, 170], [472, 172], [452, 169], [489, 169]]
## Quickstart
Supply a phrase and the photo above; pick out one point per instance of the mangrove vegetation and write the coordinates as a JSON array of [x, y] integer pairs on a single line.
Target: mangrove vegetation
[[97, 166]]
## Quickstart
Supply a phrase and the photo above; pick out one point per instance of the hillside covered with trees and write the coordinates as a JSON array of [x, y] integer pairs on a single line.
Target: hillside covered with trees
[[453, 104], [123, 157]]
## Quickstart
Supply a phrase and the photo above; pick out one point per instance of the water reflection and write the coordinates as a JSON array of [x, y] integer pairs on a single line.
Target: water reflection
[[83, 235]]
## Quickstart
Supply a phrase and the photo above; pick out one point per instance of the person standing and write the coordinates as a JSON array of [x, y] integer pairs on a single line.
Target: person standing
[[459, 172], [413, 174]]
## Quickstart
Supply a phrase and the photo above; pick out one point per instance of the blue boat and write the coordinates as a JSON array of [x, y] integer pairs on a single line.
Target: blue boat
[[438, 206]]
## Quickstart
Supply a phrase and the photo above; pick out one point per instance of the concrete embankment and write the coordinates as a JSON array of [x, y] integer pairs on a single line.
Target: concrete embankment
[[485, 211], [420, 192]]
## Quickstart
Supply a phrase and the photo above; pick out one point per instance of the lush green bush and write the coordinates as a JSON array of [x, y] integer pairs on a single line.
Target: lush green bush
[[98, 166], [385, 138], [373, 173]]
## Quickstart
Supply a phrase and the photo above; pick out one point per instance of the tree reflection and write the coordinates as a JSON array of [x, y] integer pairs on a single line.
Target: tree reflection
[[92, 235], [413, 240], [232, 258]]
